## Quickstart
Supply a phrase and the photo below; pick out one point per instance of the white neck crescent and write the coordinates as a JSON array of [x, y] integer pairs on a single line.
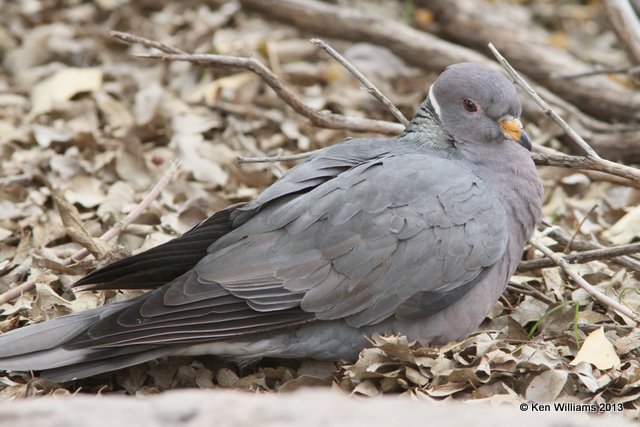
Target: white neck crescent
[[433, 101]]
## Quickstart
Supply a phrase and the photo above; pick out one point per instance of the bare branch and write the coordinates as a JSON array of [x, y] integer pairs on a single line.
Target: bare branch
[[136, 212], [548, 157], [608, 70], [276, 168], [542, 104], [365, 81], [580, 281], [152, 44], [567, 247], [529, 290], [14, 293], [323, 119], [288, 158], [560, 236], [582, 257], [334, 121]]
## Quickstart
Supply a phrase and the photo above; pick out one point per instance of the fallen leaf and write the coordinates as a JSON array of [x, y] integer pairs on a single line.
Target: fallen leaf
[[546, 387], [62, 86], [598, 351], [75, 227]]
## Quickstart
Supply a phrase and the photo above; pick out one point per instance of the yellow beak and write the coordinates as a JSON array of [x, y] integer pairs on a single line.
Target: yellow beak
[[512, 128]]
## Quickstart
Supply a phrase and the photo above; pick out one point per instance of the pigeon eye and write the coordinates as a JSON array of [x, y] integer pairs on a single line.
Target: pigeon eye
[[469, 106]]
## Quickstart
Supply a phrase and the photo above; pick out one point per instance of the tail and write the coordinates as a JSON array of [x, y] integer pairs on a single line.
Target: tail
[[41, 347], [45, 346]]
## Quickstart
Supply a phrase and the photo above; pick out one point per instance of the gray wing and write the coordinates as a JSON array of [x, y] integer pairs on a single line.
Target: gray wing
[[403, 235]]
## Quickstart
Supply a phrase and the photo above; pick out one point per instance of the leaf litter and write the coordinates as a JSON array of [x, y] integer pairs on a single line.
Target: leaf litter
[[88, 128]]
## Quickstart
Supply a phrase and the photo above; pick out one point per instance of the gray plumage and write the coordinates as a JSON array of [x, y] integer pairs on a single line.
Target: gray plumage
[[417, 235]]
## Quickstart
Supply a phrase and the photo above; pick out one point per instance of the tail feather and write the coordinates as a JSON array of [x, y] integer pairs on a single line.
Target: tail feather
[[42, 347], [45, 335], [95, 367]]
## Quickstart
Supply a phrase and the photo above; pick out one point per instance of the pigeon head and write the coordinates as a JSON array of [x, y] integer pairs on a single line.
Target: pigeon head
[[476, 104]]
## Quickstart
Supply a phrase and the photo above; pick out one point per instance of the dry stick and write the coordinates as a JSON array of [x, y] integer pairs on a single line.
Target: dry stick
[[135, 213], [152, 44], [371, 89], [560, 236], [286, 158], [529, 290], [14, 293], [580, 281], [323, 119], [609, 70], [276, 168], [625, 24], [548, 157], [582, 257], [567, 247], [542, 104]]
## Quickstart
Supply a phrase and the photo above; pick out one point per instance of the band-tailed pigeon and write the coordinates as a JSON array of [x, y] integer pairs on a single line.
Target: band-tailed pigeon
[[416, 234]]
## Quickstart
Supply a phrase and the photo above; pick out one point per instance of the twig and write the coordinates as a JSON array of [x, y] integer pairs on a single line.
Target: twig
[[580, 281], [624, 22], [548, 157], [364, 80], [559, 235], [323, 119], [582, 257], [14, 293], [288, 158], [620, 329], [567, 247], [529, 290], [152, 44], [608, 70], [542, 104], [276, 168], [135, 213]]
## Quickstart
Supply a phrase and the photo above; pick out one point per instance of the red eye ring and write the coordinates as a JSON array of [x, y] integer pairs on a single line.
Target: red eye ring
[[469, 106]]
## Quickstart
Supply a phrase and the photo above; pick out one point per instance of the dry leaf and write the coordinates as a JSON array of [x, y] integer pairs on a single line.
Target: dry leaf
[[546, 387], [598, 351], [84, 190], [75, 227], [62, 86]]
